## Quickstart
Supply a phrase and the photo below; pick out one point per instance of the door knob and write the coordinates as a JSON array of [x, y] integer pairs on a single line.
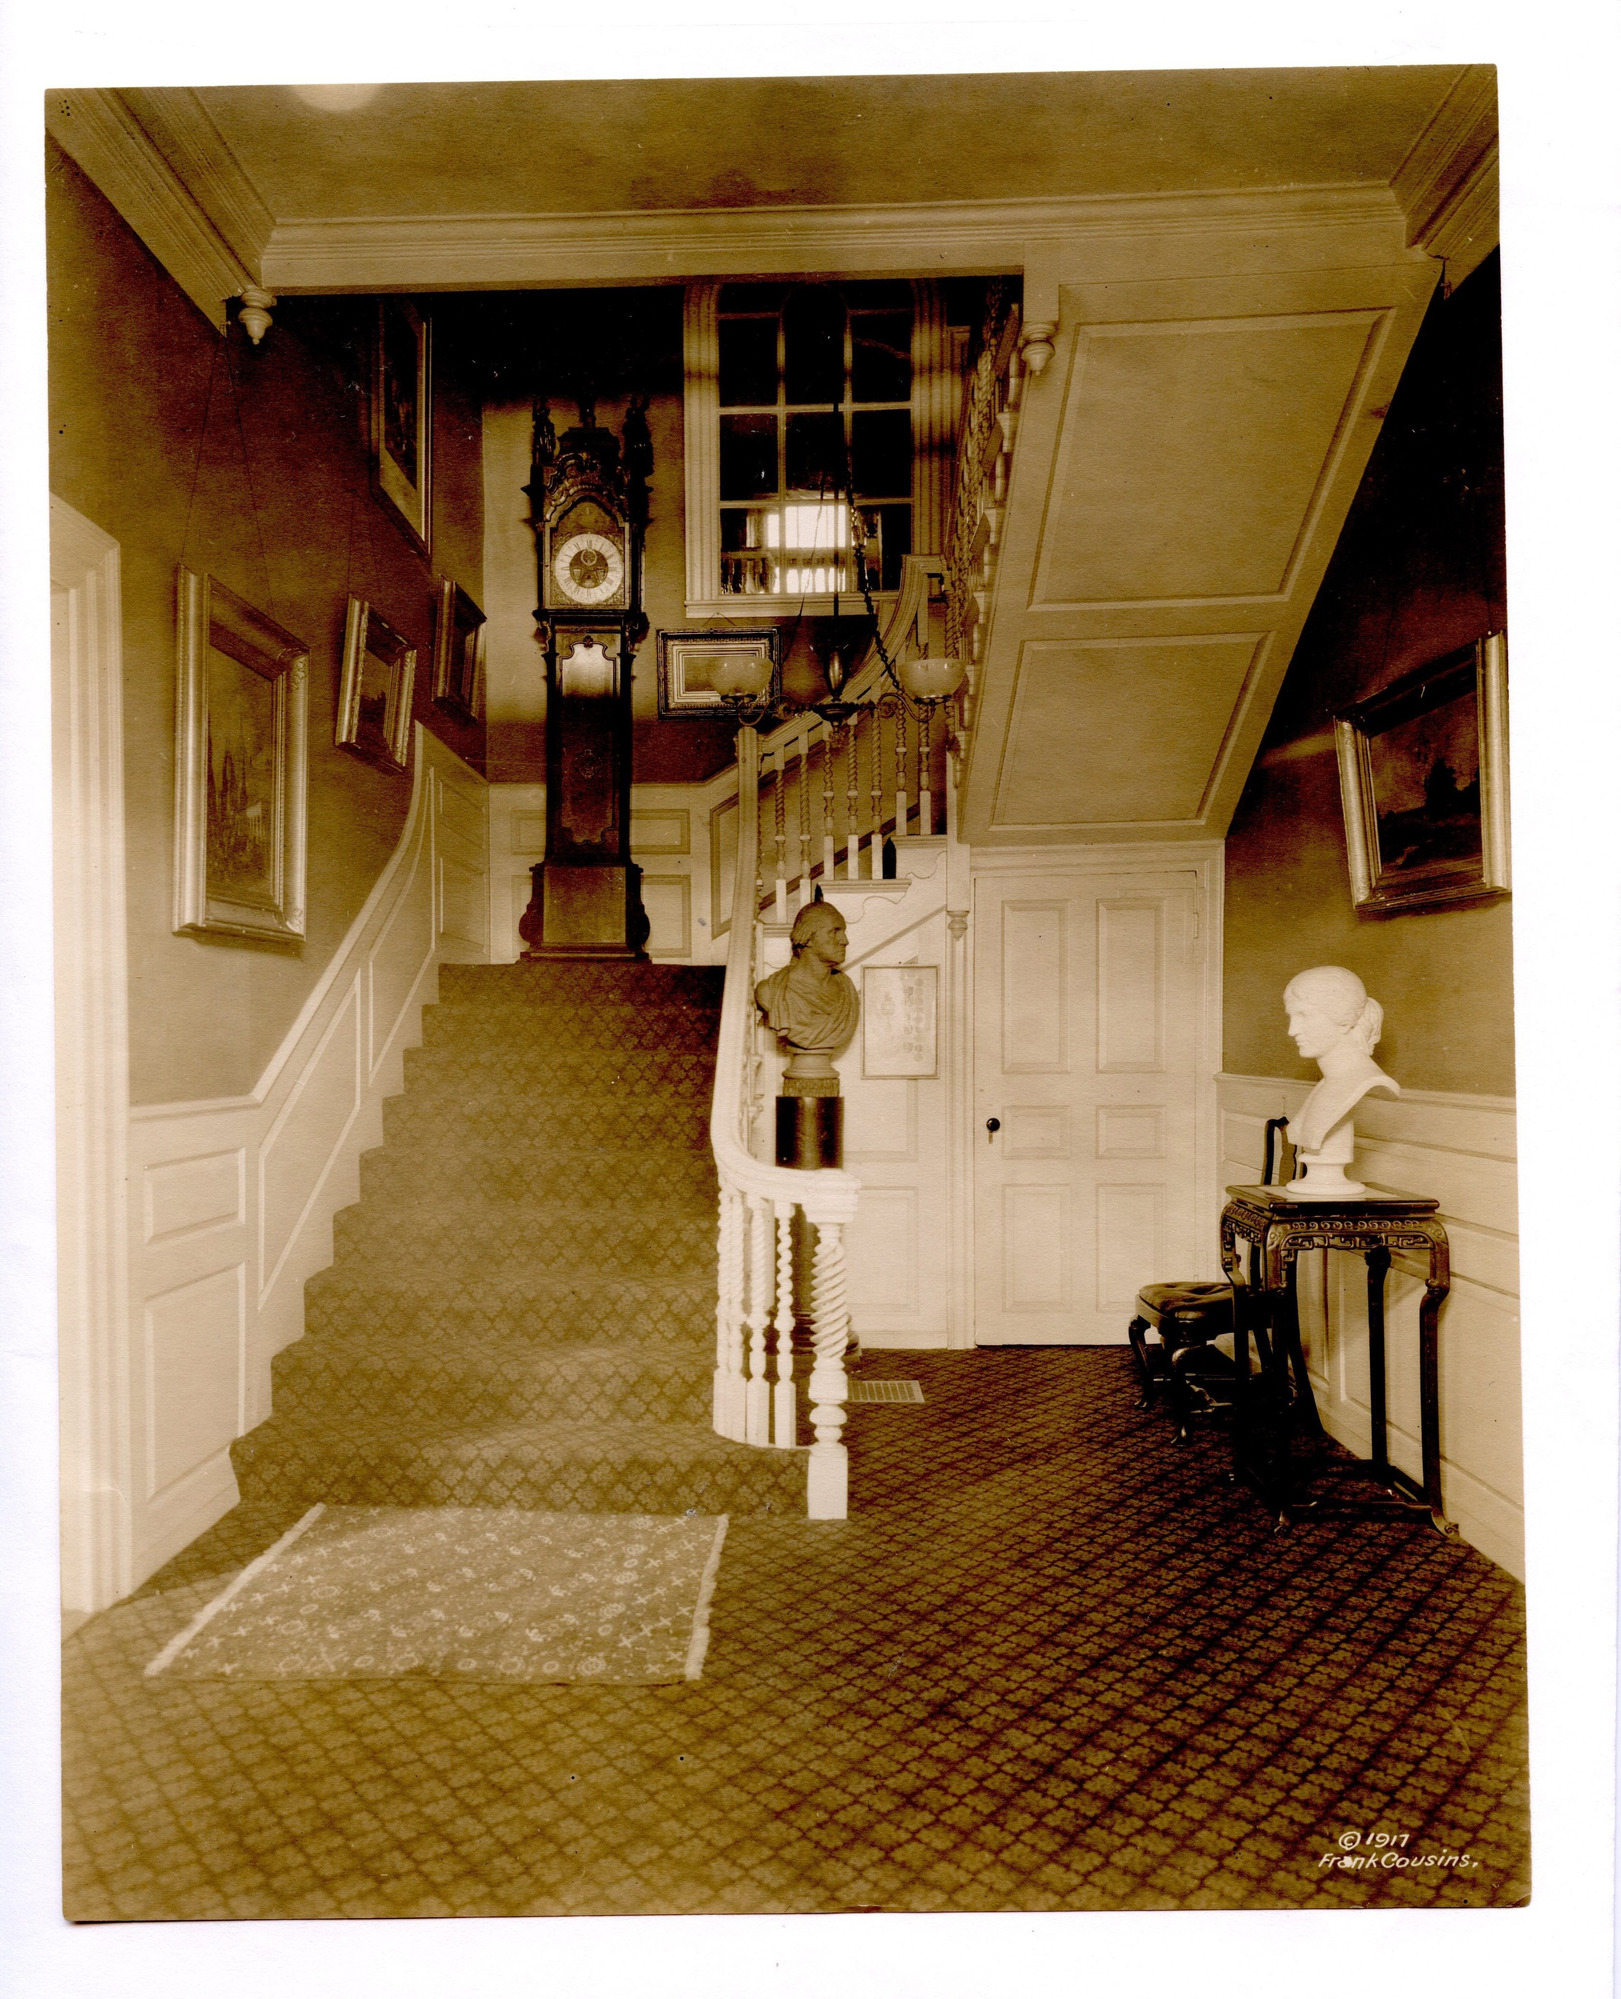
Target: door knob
[[993, 1125]]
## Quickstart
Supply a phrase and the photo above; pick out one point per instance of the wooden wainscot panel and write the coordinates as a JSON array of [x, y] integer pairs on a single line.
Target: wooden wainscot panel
[[194, 1345], [184, 1196]]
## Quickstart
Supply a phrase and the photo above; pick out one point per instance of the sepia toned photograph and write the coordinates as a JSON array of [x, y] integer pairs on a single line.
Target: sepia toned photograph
[[927, 1322]]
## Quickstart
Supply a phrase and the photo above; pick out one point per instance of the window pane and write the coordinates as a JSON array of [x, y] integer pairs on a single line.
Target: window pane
[[895, 529], [815, 455], [748, 456], [813, 340], [881, 363], [748, 361], [881, 452]]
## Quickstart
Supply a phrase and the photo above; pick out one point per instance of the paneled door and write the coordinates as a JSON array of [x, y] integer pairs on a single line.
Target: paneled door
[[1086, 1039]]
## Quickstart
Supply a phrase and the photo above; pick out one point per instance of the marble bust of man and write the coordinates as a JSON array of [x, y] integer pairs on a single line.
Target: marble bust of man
[[1333, 1023], [810, 1005]]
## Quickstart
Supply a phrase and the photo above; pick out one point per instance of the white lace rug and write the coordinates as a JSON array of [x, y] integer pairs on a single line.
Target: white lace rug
[[463, 1593]]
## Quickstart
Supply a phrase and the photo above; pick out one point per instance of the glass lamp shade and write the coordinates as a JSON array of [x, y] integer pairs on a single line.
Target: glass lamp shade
[[931, 679], [740, 676]]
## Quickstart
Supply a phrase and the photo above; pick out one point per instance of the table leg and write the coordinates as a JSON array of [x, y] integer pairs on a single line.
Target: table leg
[[1429, 1401], [1293, 1355], [1378, 1261]]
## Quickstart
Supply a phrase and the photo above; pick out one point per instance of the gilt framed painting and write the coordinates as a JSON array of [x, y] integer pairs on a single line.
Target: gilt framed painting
[[1424, 784], [402, 417], [242, 693], [374, 697], [458, 653], [687, 658]]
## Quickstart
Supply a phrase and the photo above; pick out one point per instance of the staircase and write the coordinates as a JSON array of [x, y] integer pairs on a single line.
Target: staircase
[[522, 1307]]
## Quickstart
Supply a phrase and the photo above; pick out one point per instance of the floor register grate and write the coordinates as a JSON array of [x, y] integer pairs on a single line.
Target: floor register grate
[[886, 1391]]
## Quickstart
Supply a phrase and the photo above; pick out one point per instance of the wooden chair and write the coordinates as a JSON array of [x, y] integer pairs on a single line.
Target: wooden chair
[[1187, 1320]]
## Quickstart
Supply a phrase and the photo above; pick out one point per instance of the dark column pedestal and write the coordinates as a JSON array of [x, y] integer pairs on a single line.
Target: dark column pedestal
[[810, 1131]]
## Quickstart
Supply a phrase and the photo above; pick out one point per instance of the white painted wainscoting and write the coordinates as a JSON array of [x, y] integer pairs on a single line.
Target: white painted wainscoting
[[1461, 1150], [231, 1201]]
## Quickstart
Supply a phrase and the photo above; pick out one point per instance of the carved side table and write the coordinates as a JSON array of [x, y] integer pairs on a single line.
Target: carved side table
[[1370, 1228]]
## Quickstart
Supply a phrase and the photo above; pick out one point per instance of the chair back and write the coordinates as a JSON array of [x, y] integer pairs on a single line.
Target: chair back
[[1276, 1144]]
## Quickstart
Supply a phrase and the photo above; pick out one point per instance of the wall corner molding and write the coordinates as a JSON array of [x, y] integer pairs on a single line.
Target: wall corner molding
[[101, 134], [1447, 185]]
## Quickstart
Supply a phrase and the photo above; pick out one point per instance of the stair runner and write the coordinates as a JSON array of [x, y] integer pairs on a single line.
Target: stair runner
[[522, 1307]]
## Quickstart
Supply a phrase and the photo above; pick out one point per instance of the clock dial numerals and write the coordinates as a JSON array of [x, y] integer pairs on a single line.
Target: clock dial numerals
[[588, 568]]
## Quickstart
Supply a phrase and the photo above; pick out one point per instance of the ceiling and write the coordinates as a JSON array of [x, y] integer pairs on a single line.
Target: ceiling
[[593, 148]]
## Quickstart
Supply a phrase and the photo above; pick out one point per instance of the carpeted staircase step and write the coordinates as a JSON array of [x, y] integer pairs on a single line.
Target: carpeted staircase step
[[477, 1173], [604, 1030], [675, 1073], [541, 1306], [570, 1467], [481, 1379], [423, 1122], [581, 985], [667, 1242]]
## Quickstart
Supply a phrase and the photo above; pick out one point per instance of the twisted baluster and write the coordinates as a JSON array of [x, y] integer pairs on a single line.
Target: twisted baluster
[[785, 1398], [925, 775], [827, 1492], [900, 771], [730, 1417], [875, 853], [779, 795], [827, 808], [852, 819], [802, 889], [757, 1423]]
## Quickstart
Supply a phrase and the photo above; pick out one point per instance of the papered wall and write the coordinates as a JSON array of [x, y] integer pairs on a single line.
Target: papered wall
[[1419, 570], [271, 495]]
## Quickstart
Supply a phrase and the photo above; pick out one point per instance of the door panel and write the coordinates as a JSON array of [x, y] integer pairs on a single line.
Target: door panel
[[1086, 1033]]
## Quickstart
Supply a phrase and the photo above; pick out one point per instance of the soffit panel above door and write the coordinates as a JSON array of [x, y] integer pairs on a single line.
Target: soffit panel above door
[[1115, 733]]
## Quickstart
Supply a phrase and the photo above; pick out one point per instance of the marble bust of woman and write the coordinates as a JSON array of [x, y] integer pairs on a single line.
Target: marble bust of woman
[[1334, 1024], [810, 1005]]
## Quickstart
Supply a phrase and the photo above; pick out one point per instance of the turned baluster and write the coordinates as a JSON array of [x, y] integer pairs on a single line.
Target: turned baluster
[[828, 1482], [900, 771], [757, 1423], [730, 1409], [925, 775], [784, 1400], [802, 890]]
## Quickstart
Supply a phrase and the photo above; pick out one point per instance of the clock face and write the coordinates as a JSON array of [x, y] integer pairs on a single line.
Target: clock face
[[588, 568]]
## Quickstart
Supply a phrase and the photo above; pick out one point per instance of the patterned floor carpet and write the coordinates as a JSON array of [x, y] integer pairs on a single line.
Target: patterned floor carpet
[[1051, 1662]]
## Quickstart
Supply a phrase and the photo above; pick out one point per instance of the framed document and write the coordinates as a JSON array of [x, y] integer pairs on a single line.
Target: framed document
[[899, 1016]]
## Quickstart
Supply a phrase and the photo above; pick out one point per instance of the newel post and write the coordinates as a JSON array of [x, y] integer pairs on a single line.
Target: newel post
[[827, 1490]]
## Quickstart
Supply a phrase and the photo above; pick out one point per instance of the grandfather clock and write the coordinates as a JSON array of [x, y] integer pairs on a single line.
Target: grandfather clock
[[589, 508]]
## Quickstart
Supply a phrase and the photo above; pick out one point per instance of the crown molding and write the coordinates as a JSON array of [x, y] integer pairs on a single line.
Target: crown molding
[[1447, 185], [439, 252], [178, 124], [97, 129]]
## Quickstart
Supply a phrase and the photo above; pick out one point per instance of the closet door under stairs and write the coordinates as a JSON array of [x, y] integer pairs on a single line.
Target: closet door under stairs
[[1086, 1019]]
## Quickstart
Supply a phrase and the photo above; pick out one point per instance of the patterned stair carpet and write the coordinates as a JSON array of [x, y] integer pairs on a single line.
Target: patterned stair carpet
[[521, 1308]]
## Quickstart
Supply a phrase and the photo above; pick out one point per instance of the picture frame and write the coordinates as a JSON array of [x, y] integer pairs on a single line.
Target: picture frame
[[458, 653], [1423, 770], [375, 694], [900, 1014], [402, 417], [242, 691], [683, 685]]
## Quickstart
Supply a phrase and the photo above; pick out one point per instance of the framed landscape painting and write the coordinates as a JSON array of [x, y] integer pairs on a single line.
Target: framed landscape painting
[[402, 417], [374, 699], [1424, 784], [242, 691]]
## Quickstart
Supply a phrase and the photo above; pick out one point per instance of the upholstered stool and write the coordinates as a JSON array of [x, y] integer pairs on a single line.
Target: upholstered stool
[[1187, 1319]]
